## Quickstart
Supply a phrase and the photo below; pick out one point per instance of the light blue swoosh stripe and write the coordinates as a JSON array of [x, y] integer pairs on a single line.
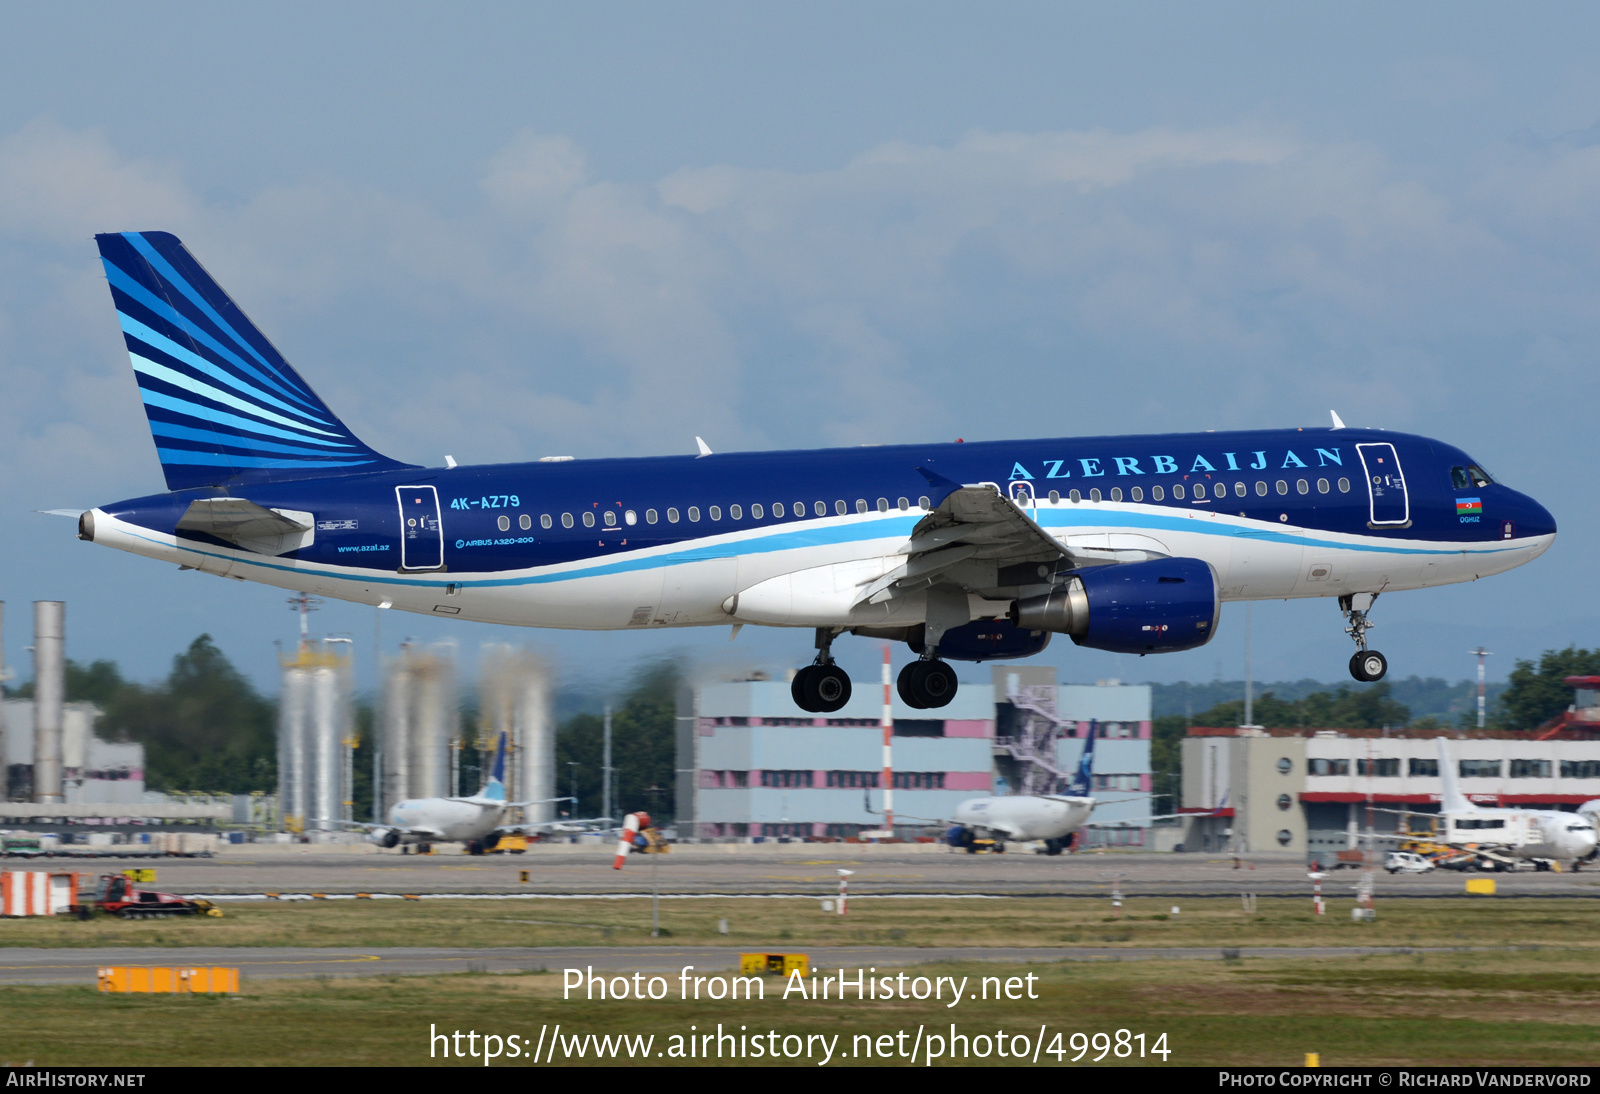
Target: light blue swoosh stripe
[[156, 340], [164, 268], [208, 414], [780, 541], [126, 282], [206, 436], [188, 383], [209, 459], [1101, 518]]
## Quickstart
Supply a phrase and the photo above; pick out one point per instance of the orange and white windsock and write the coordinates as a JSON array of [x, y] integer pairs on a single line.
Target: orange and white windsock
[[631, 824]]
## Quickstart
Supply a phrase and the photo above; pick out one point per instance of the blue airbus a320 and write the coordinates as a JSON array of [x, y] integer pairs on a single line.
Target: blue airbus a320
[[964, 552]]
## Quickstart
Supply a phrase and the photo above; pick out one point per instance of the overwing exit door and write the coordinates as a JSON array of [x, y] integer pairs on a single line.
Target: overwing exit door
[[421, 531], [1386, 485]]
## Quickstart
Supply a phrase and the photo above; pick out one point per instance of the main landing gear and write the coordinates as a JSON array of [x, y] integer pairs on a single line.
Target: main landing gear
[[821, 687], [1368, 666], [927, 683]]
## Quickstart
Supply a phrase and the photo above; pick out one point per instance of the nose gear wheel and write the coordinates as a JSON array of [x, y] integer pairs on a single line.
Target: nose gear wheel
[[1367, 666]]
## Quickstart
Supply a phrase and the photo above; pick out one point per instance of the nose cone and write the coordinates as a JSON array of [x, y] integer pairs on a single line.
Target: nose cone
[[1532, 518]]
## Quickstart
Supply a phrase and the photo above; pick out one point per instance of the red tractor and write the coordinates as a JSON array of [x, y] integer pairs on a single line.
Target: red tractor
[[119, 896]]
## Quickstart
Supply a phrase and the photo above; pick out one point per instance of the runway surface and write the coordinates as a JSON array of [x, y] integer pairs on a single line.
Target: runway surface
[[74, 966], [807, 869]]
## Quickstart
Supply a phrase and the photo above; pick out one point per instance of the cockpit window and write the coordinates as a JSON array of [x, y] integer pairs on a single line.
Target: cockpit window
[[1469, 477], [1459, 480], [1479, 476]]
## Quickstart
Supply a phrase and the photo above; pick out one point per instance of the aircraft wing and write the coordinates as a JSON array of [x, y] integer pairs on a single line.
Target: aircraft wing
[[971, 525], [581, 824], [404, 829]]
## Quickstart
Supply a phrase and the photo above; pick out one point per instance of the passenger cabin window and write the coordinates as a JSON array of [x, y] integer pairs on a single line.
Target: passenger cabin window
[[820, 508], [649, 516], [630, 518], [756, 512], [1240, 489], [883, 505], [1322, 486], [777, 508], [672, 516], [924, 503], [736, 512], [1094, 495], [1261, 489], [1177, 491], [1157, 494], [715, 512], [694, 512], [503, 523], [524, 522], [861, 505], [1303, 486], [1116, 493], [1075, 497], [1220, 490], [545, 521], [566, 520], [1283, 488], [1136, 493], [1055, 497], [588, 520], [902, 505], [611, 519], [1344, 486], [840, 507]]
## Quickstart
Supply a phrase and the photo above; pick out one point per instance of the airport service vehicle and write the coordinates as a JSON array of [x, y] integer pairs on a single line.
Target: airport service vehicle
[[966, 552], [119, 896], [1049, 818], [1407, 862], [1501, 836], [473, 821]]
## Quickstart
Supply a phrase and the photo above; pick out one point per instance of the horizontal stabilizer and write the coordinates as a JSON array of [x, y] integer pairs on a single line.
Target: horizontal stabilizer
[[243, 522]]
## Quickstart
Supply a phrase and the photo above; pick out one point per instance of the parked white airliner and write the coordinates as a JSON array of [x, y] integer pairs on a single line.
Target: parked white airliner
[[1522, 833], [470, 821]]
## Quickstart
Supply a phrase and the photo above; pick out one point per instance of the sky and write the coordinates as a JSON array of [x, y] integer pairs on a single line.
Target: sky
[[503, 231]]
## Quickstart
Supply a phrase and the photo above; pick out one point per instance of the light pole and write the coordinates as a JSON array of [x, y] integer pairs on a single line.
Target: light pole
[[655, 793], [572, 783]]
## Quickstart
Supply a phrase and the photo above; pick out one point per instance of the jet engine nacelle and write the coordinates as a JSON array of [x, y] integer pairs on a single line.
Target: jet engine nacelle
[[984, 640], [1159, 606], [384, 837]]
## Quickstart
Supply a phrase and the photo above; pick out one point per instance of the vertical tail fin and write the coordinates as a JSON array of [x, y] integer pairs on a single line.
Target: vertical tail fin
[[224, 406], [495, 788], [1451, 800], [1083, 779]]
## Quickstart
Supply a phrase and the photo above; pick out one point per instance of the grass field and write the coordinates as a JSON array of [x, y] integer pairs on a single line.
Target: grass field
[[797, 923], [1540, 1007]]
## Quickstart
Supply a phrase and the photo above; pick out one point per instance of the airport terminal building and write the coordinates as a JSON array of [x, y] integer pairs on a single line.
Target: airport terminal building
[[1309, 790], [752, 764]]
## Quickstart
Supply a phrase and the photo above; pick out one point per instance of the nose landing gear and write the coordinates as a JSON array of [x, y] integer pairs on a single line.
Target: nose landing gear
[[1368, 666], [822, 687]]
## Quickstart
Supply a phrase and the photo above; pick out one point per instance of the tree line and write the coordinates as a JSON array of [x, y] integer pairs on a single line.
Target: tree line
[[205, 727]]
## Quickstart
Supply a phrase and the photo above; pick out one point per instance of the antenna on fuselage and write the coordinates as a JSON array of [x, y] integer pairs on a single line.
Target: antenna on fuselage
[[705, 449], [1338, 423]]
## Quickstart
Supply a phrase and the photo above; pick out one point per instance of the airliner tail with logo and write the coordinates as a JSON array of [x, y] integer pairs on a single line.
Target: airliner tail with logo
[[965, 552]]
